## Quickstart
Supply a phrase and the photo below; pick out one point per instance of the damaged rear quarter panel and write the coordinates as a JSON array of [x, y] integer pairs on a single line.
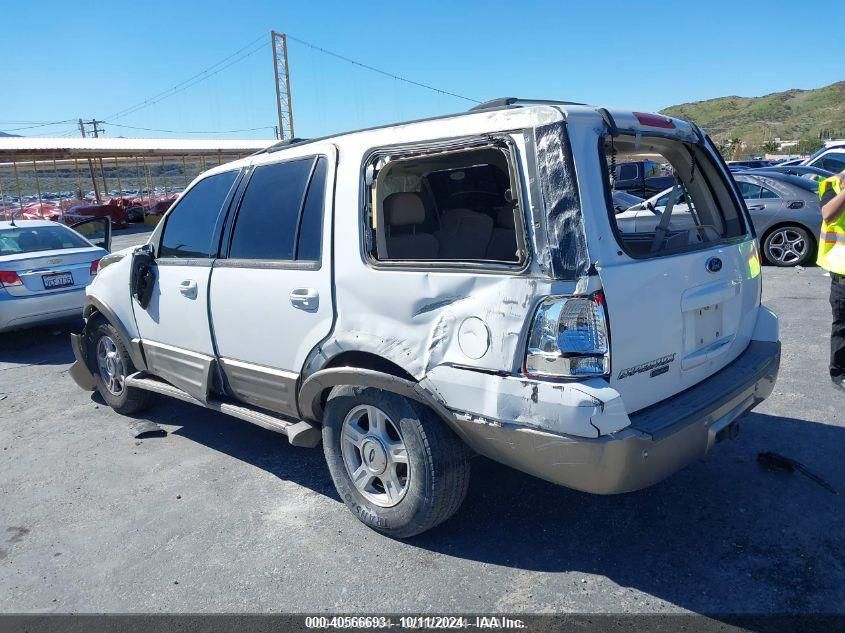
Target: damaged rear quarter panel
[[413, 316]]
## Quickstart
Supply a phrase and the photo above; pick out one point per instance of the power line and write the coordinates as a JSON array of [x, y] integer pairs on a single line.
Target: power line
[[149, 129], [381, 72], [29, 127], [190, 81]]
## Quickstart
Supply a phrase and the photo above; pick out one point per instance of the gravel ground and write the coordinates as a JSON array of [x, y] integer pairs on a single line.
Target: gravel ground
[[224, 516]]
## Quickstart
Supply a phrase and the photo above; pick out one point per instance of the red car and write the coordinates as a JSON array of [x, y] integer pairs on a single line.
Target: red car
[[114, 209]]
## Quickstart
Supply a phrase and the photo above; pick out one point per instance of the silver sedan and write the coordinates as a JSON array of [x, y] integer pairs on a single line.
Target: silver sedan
[[44, 268], [784, 209]]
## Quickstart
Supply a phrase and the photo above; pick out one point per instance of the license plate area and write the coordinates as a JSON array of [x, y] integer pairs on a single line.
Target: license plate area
[[57, 280], [711, 316], [708, 326], [705, 335]]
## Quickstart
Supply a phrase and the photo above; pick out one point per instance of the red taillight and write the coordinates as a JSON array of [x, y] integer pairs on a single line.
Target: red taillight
[[10, 278], [654, 120], [95, 266]]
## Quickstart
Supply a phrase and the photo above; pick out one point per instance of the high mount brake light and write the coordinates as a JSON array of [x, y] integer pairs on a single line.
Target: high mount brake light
[[654, 120], [569, 338], [10, 278]]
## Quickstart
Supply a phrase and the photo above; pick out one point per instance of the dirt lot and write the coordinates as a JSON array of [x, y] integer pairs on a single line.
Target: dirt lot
[[223, 516]]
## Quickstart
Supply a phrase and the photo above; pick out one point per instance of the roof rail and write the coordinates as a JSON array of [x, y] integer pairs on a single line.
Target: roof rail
[[284, 144], [507, 102]]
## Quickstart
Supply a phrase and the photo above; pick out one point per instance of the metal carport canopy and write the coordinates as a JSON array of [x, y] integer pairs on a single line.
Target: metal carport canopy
[[30, 148]]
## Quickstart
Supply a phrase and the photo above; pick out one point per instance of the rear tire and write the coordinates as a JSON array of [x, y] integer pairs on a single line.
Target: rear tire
[[111, 364], [787, 246], [412, 471]]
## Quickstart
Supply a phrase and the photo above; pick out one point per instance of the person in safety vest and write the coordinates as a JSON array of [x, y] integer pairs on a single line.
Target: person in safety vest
[[832, 257]]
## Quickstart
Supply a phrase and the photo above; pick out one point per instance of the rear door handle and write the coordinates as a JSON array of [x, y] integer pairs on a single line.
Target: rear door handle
[[188, 288], [306, 299]]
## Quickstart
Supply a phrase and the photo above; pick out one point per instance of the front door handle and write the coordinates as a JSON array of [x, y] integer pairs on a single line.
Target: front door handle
[[757, 207], [306, 299], [188, 288]]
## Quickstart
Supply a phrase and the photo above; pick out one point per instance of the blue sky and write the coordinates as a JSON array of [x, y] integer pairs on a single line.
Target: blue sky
[[64, 60]]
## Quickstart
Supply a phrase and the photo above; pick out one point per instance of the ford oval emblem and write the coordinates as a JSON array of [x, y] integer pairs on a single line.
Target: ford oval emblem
[[714, 264]]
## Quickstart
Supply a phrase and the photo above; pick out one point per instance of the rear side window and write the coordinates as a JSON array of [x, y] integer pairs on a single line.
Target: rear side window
[[749, 191], [696, 212], [311, 224], [275, 208], [190, 225], [627, 172], [457, 206], [38, 238], [835, 162], [652, 170]]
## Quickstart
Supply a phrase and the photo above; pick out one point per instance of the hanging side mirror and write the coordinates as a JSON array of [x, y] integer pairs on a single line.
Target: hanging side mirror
[[142, 275]]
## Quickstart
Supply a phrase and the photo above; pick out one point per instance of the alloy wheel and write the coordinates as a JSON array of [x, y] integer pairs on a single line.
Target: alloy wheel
[[375, 455], [787, 246], [111, 366]]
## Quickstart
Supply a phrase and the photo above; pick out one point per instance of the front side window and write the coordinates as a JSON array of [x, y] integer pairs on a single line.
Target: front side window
[[704, 211], [190, 224], [457, 206], [276, 218]]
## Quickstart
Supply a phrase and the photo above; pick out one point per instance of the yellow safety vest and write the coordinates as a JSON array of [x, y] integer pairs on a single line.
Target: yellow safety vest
[[832, 238]]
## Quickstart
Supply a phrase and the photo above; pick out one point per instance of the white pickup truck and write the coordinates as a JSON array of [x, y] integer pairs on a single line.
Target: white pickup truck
[[413, 294]]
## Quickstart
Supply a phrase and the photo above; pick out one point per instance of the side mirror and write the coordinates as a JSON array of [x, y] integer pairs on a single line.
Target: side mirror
[[95, 230], [142, 276]]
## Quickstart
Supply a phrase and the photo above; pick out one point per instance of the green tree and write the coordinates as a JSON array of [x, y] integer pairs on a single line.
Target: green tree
[[770, 147], [724, 147], [809, 145], [736, 147]]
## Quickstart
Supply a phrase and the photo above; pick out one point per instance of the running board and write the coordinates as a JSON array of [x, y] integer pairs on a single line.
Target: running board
[[299, 433]]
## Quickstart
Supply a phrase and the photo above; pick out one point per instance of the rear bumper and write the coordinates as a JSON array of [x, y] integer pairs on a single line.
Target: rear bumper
[[17, 312], [661, 439]]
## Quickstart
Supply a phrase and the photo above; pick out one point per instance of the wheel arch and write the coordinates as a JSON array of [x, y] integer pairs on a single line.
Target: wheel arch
[[95, 307], [364, 369]]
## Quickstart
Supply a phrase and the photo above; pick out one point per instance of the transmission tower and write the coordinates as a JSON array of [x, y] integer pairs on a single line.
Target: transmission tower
[[283, 100]]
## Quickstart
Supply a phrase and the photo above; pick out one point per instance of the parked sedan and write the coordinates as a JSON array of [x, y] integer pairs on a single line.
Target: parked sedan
[[44, 268], [784, 209], [805, 171]]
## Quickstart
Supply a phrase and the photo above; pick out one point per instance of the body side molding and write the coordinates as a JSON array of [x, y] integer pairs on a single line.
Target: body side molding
[[311, 408]]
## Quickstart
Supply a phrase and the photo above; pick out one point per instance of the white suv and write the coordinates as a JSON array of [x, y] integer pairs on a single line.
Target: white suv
[[413, 294]]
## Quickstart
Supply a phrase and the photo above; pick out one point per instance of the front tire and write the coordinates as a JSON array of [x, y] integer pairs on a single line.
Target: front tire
[[395, 464], [111, 364], [788, 246]]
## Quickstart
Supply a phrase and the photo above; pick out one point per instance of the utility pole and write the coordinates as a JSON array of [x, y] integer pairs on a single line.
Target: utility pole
[[284, 104], [94, 123], [90, 166]]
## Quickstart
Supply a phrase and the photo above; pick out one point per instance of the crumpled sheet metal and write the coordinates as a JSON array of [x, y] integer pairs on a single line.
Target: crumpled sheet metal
[[567, 256], [420, 329], [588, 408]]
